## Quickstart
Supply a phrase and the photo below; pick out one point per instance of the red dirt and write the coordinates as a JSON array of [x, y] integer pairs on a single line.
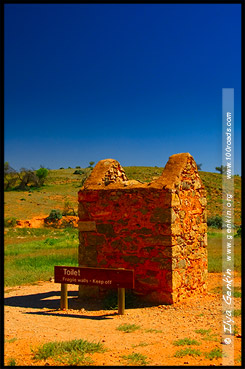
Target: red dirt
[[32, 317], [39, 222]]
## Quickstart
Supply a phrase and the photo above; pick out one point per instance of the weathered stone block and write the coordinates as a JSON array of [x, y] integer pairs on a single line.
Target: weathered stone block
[[203, 201], [106, 229], [88, 256], [83, 213], [86, 226], [176, 229], [186, 185], [95, 240], [163, 240], [133, 259], [161, 215], [175, 200]]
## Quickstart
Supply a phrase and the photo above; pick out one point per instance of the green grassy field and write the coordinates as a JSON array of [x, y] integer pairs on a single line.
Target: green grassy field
[[30, 254]]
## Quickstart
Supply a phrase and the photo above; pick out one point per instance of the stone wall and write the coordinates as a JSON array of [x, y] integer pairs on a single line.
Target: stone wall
[[157, 229]]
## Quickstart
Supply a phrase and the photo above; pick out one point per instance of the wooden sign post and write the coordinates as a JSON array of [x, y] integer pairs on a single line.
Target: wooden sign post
[[121, 301], [104, 277], [63, 297]]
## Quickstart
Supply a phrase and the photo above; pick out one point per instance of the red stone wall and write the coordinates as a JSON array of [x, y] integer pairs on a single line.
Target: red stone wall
[[157, 229]]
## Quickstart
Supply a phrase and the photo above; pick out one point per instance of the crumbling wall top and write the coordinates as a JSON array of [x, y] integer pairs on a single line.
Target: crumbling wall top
[[109, 174]]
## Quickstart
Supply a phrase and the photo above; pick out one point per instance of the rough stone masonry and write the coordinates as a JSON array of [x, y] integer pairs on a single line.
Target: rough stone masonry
[[159, 229]]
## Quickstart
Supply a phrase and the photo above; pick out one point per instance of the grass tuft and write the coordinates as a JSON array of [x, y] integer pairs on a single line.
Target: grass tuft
[[68, 352], [237, 293], [186, 341], [128, 328], [136, 359], [206, 333], [11, 340], [187, 351], [216, 353], [203, 332], [141, 344], [151, 330], [12, 362]]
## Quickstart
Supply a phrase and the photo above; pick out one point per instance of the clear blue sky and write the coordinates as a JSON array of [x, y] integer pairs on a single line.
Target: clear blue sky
[[133, 82]]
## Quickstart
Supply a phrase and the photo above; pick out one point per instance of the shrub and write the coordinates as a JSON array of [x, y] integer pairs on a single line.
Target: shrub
[[238, 232], [54, 216], [68, 209], [10, 177], [222, 169], [67, 224], [215, 222], [80, 171], [10, 222]]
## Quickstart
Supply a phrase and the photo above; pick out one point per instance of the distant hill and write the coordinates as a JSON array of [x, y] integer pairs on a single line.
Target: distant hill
[[62, 185]]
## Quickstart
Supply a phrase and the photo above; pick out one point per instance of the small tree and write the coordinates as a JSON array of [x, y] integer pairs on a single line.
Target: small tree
[[91, 163], [222, 169], [27, 177], [10, 176], [68, 209], [42, 174], [199, 166]]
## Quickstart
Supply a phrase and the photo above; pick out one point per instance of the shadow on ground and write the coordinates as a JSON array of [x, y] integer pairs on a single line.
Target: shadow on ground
[[67, 315], [51, 300], [38, 300]]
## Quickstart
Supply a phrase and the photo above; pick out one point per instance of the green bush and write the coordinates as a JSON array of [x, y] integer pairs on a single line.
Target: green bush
[[54, 216], [238, 232], [10, 222], [215, 222], [79, 171]]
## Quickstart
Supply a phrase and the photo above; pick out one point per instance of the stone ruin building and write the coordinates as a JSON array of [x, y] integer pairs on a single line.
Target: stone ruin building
[[159, 229]]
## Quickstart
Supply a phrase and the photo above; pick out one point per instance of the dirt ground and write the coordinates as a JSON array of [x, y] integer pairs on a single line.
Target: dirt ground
[[32, 317]]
